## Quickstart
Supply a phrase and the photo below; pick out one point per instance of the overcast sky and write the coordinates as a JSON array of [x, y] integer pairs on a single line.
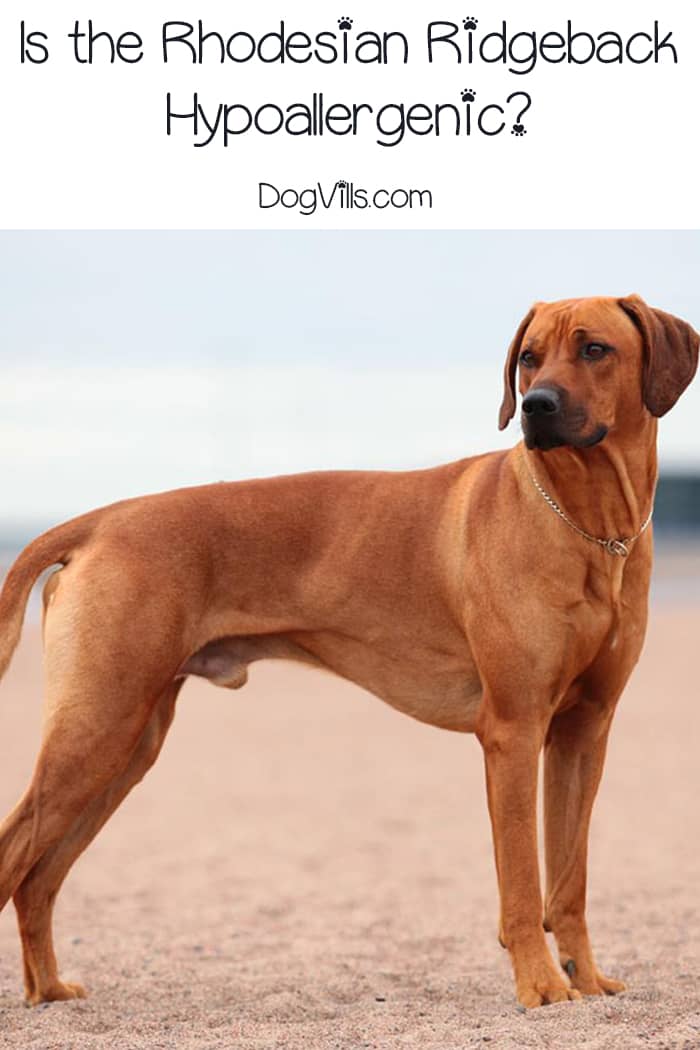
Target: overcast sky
[[134, 362]]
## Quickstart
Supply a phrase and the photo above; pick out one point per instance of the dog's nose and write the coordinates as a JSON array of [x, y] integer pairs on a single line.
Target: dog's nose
[[541, 401]]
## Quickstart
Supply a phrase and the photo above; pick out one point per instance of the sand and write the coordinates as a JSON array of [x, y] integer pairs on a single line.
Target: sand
[[305, 868]]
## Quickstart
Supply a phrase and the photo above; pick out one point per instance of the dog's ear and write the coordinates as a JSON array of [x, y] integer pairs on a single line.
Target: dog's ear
[[508, 404], [670, 354]]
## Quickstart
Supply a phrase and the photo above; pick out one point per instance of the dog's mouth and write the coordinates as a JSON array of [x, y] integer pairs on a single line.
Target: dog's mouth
[[547, 436], [598, 435]]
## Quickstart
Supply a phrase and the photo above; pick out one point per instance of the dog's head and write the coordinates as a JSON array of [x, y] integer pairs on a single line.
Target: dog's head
[[590, 366]]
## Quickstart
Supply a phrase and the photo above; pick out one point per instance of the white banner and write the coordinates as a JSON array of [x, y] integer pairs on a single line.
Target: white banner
[[370, 115]]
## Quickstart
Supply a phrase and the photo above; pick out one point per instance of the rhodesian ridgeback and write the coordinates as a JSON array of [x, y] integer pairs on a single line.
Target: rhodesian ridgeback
[[503, 595]]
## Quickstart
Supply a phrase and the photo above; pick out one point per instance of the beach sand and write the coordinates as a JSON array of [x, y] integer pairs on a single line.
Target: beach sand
[[306, 868]]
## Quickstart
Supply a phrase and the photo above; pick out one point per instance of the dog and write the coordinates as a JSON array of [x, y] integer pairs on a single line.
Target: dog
[[503, 595]]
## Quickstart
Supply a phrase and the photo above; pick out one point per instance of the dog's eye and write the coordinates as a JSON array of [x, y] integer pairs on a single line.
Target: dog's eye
[[594, 351], [528, 359]]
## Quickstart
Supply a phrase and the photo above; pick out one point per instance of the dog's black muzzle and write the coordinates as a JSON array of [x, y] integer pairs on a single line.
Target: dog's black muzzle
[[550, 420]]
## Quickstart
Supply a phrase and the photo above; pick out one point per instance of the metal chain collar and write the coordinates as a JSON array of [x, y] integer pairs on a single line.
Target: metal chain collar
[[612, 546]]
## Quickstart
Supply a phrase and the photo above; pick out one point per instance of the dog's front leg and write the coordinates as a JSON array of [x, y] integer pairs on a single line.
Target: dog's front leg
[[511, 752], [574, 757]]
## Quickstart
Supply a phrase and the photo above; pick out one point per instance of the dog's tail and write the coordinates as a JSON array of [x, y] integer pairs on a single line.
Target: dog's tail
[[51, 548]]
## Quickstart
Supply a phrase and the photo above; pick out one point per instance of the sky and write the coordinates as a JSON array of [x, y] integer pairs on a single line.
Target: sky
[[142, 361]]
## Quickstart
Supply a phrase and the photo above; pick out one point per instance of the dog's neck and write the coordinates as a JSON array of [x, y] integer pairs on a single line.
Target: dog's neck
[[606, 490]]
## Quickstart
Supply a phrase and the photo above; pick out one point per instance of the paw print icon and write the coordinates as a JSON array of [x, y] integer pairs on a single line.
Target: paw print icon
[[345, 23], [470, 22], [341, 184], [519, 130], [468, 95]]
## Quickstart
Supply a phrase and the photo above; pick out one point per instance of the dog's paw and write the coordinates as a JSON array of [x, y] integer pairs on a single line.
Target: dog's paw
[[468, 95], [592, 982], [541, 985], [470, 22], [58, 991], [519, 130], [345, 23]]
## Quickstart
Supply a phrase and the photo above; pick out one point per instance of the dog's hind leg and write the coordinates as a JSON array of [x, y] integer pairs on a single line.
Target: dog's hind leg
[[35, 897], [71, 771], [109, 656]]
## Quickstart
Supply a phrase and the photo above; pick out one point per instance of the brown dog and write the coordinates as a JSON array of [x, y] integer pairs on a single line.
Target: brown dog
[[504, 595]]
